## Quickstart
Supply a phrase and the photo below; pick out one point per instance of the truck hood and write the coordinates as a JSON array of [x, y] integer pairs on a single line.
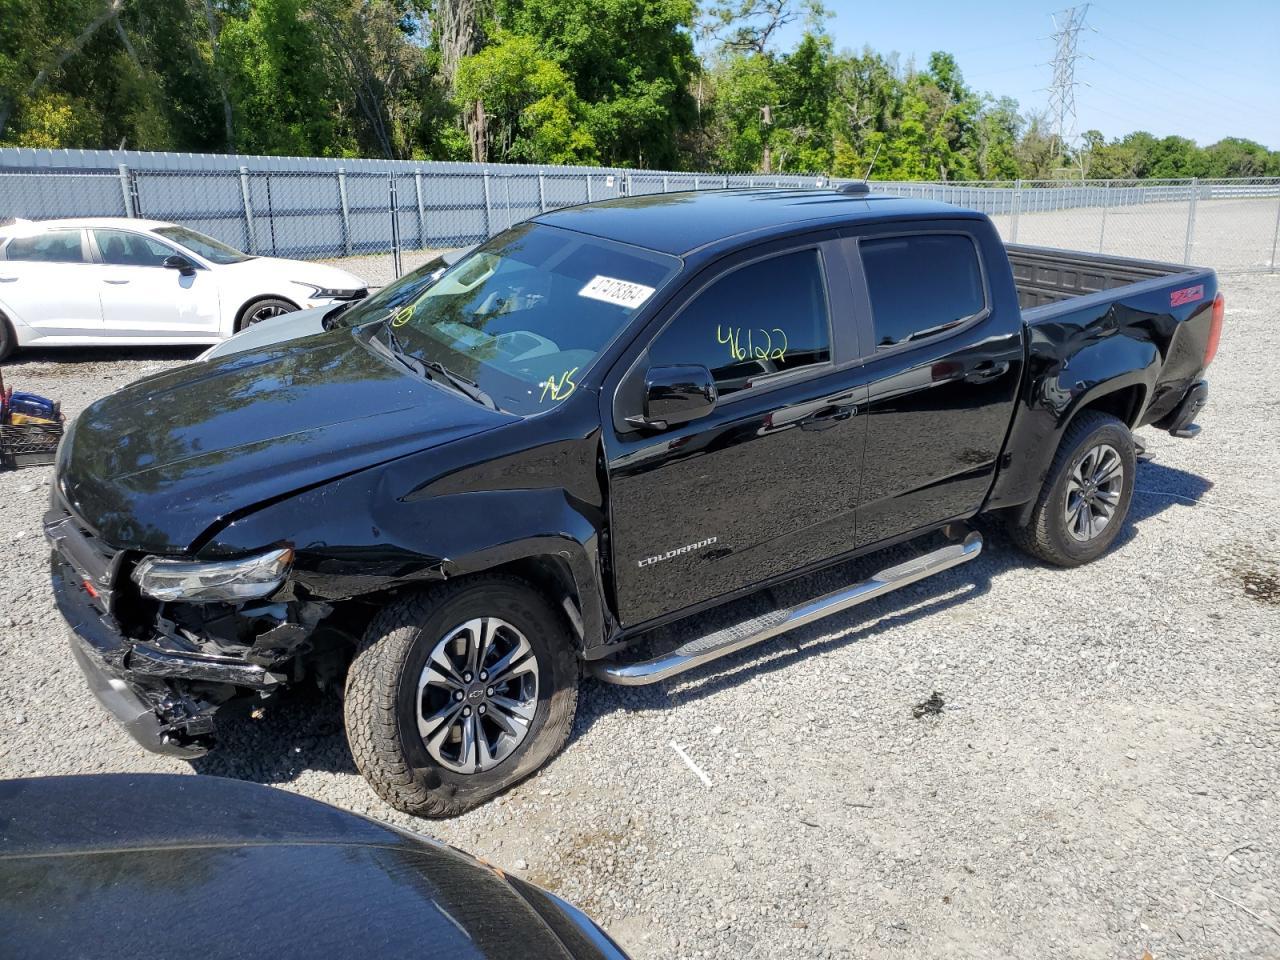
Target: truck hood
[[157, 464]]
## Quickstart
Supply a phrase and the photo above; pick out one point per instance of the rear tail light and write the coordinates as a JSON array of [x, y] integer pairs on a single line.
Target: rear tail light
[[1215, 329]]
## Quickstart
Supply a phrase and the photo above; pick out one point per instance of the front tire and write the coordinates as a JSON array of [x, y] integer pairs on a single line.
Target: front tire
[[263, 309], [1086, 495], [458, 692]]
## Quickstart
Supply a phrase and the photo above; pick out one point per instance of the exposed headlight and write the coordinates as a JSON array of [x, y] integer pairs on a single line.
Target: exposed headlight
[[245, 579], [333, 293]]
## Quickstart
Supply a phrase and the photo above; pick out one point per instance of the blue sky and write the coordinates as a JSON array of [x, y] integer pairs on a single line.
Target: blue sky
[[1196, 69]]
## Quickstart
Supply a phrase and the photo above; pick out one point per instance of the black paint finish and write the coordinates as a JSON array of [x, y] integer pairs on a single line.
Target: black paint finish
[[381, 479], [133, 865]]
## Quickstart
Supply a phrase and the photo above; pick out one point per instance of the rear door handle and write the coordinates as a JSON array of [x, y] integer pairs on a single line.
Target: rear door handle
[[987, 371], [7, 279], [116, 282]]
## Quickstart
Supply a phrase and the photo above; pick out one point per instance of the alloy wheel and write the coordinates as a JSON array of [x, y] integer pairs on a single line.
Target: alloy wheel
[[1093, 492], [264, 312], [477, 695]]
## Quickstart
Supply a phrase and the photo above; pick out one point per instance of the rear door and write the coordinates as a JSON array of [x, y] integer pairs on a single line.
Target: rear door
[[141, 297], [767, 482], [47, 283], [942, 374]]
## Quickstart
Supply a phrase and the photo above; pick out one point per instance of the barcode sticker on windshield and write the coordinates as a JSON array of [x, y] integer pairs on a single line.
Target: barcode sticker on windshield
[[624, 293]]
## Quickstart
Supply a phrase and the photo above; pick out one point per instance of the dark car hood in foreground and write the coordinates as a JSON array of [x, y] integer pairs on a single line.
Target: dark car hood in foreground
[[138, 865], [154, 465]]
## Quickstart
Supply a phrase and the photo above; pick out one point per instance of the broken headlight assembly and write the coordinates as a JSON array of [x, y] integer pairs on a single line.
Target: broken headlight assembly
[[246, 578]]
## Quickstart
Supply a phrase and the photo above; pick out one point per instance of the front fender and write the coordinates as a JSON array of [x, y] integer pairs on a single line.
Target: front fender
[[376, 530]]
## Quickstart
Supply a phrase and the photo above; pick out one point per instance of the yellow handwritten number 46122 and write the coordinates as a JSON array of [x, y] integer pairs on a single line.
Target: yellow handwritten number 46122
[[732, 337]]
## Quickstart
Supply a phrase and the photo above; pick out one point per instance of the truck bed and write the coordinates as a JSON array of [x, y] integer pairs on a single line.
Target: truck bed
[[1046, 276]]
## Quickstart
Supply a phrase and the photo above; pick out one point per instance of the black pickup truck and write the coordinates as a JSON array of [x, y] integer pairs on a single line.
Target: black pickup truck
[[603, 420]]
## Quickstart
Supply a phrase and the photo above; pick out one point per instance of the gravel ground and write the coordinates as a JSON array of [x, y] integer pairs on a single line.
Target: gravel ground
[[1099, 781]]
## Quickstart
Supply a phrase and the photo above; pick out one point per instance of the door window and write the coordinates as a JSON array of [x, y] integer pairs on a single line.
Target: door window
[[123, 249], [762, 319], [921, 285], [55, 246]]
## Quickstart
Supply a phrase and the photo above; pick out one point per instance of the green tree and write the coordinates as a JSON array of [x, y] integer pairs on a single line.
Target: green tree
[[533, 114], [630, 63]]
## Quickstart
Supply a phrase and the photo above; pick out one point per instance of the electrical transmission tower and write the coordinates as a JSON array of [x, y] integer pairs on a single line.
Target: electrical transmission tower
[[1062, 91]]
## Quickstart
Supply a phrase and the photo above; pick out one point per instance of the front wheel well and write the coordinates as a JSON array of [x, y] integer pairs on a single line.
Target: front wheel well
[[551, 575]]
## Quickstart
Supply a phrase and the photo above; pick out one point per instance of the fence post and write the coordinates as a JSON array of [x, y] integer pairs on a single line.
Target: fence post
[[1191, 220], [1275, 236], [725, 184], [589, 198], [697, 184], [124, 191], [628, 183], [394, 202], [249, 233], [422, 213], [488, 229], [1017, 208], [1106, 202], [346, 211], [664, 184], [542, 192]]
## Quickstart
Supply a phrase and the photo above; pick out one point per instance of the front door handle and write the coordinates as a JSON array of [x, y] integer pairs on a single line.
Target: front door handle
[[116, 282], [7, 279], [987, 370], [829, 416]]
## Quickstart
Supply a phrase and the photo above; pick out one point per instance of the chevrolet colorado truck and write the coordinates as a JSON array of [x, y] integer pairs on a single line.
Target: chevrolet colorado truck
[[603, 420]]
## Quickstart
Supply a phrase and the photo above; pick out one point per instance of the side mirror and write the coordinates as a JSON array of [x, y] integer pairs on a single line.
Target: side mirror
[[180, 263], [675, 395]]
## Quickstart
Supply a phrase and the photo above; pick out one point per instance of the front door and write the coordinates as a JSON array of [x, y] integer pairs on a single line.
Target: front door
[[143, 298], [767, 482]]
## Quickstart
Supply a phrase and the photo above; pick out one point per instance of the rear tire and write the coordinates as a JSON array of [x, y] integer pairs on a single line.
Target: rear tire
[[400, 713], [8, 339], [263, 309], [1085, 497]]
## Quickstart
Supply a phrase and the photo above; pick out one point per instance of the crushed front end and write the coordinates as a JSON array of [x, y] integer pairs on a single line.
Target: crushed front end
[[163, 668]]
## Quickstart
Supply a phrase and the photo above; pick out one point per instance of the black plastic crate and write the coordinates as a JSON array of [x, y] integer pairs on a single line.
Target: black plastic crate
[[29, 444]]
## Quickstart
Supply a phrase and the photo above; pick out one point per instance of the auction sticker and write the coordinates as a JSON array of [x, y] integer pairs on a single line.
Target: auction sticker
[[623, 293]]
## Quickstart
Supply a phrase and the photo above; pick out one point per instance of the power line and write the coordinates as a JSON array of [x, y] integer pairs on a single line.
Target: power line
[[1062, 91]]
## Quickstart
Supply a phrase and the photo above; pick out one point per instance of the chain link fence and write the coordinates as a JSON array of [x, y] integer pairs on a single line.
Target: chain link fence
[[1230, 225], [376, 224], [380, 223]]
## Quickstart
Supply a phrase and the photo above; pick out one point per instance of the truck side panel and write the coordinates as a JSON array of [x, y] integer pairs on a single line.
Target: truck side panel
[[1134, 351]]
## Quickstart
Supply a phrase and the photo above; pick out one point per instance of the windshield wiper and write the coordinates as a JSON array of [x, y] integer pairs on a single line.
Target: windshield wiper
[[435, 370], [468, 387], [395, 349]]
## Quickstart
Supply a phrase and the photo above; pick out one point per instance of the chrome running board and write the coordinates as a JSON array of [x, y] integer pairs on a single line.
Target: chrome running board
[[739, 636]]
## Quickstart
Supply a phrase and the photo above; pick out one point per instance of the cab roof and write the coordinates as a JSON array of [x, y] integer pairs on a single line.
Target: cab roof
[[680, 223]]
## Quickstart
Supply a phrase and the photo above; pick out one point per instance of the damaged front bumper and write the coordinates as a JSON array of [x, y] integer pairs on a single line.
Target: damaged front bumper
[[135, 680]]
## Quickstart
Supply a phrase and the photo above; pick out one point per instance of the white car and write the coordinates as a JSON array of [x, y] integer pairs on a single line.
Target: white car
[[128, 281]]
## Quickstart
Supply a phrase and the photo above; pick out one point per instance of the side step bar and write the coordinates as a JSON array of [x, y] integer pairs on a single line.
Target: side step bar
[[739, 636]]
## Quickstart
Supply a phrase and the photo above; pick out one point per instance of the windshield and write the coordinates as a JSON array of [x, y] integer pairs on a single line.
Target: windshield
[[212, 250], [527, 313], [395, 295]]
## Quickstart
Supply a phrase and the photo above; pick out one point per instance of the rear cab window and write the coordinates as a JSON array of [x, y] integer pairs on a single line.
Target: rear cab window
[[921, 286], [762, 319]]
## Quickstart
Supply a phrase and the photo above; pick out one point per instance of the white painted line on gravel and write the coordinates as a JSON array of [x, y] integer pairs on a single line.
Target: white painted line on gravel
[[690, 764]]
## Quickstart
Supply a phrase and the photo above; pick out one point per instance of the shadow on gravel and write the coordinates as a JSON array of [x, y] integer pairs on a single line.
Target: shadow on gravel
[[301, 730], [73, 356], [1161, 487]]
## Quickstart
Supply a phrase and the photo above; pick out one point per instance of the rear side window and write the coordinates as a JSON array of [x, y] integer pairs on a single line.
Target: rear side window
[[921, 285], [764, 318], [55, 246]]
